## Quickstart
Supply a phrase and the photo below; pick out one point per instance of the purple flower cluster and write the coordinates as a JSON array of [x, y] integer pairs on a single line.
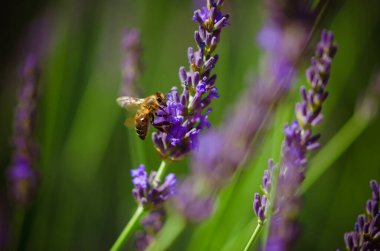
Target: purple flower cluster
[[286, 11], [225, 149], [261, 203], [185, 114], [194, 206], [148, 192], [366, 234], [132, 63], [23, 178], [259, 206], [299, 139], [152, 224]]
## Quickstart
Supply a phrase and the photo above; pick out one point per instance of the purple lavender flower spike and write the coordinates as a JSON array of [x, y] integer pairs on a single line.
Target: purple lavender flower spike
[[281, 42], [299, 140], [152, 224], [132, 65], [223, 150], [147, 194], [259, 205], [22, 177], [187, 112], [366, 234], [195, 207], [267, 178]]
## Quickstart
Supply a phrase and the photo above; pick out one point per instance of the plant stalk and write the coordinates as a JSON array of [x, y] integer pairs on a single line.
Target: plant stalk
[[254, 235], [127, 231]]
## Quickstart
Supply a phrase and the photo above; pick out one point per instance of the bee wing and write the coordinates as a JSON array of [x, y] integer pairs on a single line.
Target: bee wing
[[130, 121], [129, 102]]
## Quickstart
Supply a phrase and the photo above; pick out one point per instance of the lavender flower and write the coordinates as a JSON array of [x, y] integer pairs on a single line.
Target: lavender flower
[[22, 176], [366, 234], [151, 195], [283, 12], [259, 206], [224, 149], [132, 63], [196, 207], [152, 224], [186, 113], [299, 140], [184, 116], [261, 203]]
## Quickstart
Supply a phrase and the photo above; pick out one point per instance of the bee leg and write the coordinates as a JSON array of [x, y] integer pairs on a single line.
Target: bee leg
[[151, 118], [162, 115], [161, 125]]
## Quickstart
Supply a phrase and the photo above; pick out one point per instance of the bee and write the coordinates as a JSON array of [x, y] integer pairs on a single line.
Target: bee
[[147, 110]]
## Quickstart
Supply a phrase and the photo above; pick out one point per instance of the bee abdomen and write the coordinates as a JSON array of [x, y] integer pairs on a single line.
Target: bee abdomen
[[142, 123]]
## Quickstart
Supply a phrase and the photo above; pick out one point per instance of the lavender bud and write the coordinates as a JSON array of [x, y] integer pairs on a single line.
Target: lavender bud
[[366, 233], [148, 194], [182, 74], [132, 65]]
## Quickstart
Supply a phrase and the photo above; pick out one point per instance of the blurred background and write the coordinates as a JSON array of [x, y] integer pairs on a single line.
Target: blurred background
[[83, 198]]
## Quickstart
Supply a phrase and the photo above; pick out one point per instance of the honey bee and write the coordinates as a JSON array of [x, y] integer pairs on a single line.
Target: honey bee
[[147, 109]]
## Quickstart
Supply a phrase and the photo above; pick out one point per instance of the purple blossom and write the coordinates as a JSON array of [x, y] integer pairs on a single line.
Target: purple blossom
[[268, 178], [366, 234], [22, 176], [299, 140], [132, 64], [195, 207], [259, 206], [283, 12], [261, 203], [152, 224], [282, 45], [186, 113], [151, 195], [223, 150]]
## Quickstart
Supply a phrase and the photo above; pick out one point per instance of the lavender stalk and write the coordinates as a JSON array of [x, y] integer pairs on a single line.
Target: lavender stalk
[[222, 151], [183, 117], [149, 194], [299, 140], [262, 204], [132, 65], [366, 111], [366, 234], [22, 176]]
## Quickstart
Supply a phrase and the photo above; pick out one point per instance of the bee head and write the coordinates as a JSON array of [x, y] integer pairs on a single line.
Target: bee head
[[160, 97]]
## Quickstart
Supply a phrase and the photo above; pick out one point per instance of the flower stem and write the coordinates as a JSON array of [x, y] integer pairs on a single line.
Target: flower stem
[[123, 237], [254, 235], [127, 231], [160, 172]]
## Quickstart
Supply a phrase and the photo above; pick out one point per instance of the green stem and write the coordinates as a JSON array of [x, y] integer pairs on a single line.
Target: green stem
[[254, 235], [160, 172], [127, 231]]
